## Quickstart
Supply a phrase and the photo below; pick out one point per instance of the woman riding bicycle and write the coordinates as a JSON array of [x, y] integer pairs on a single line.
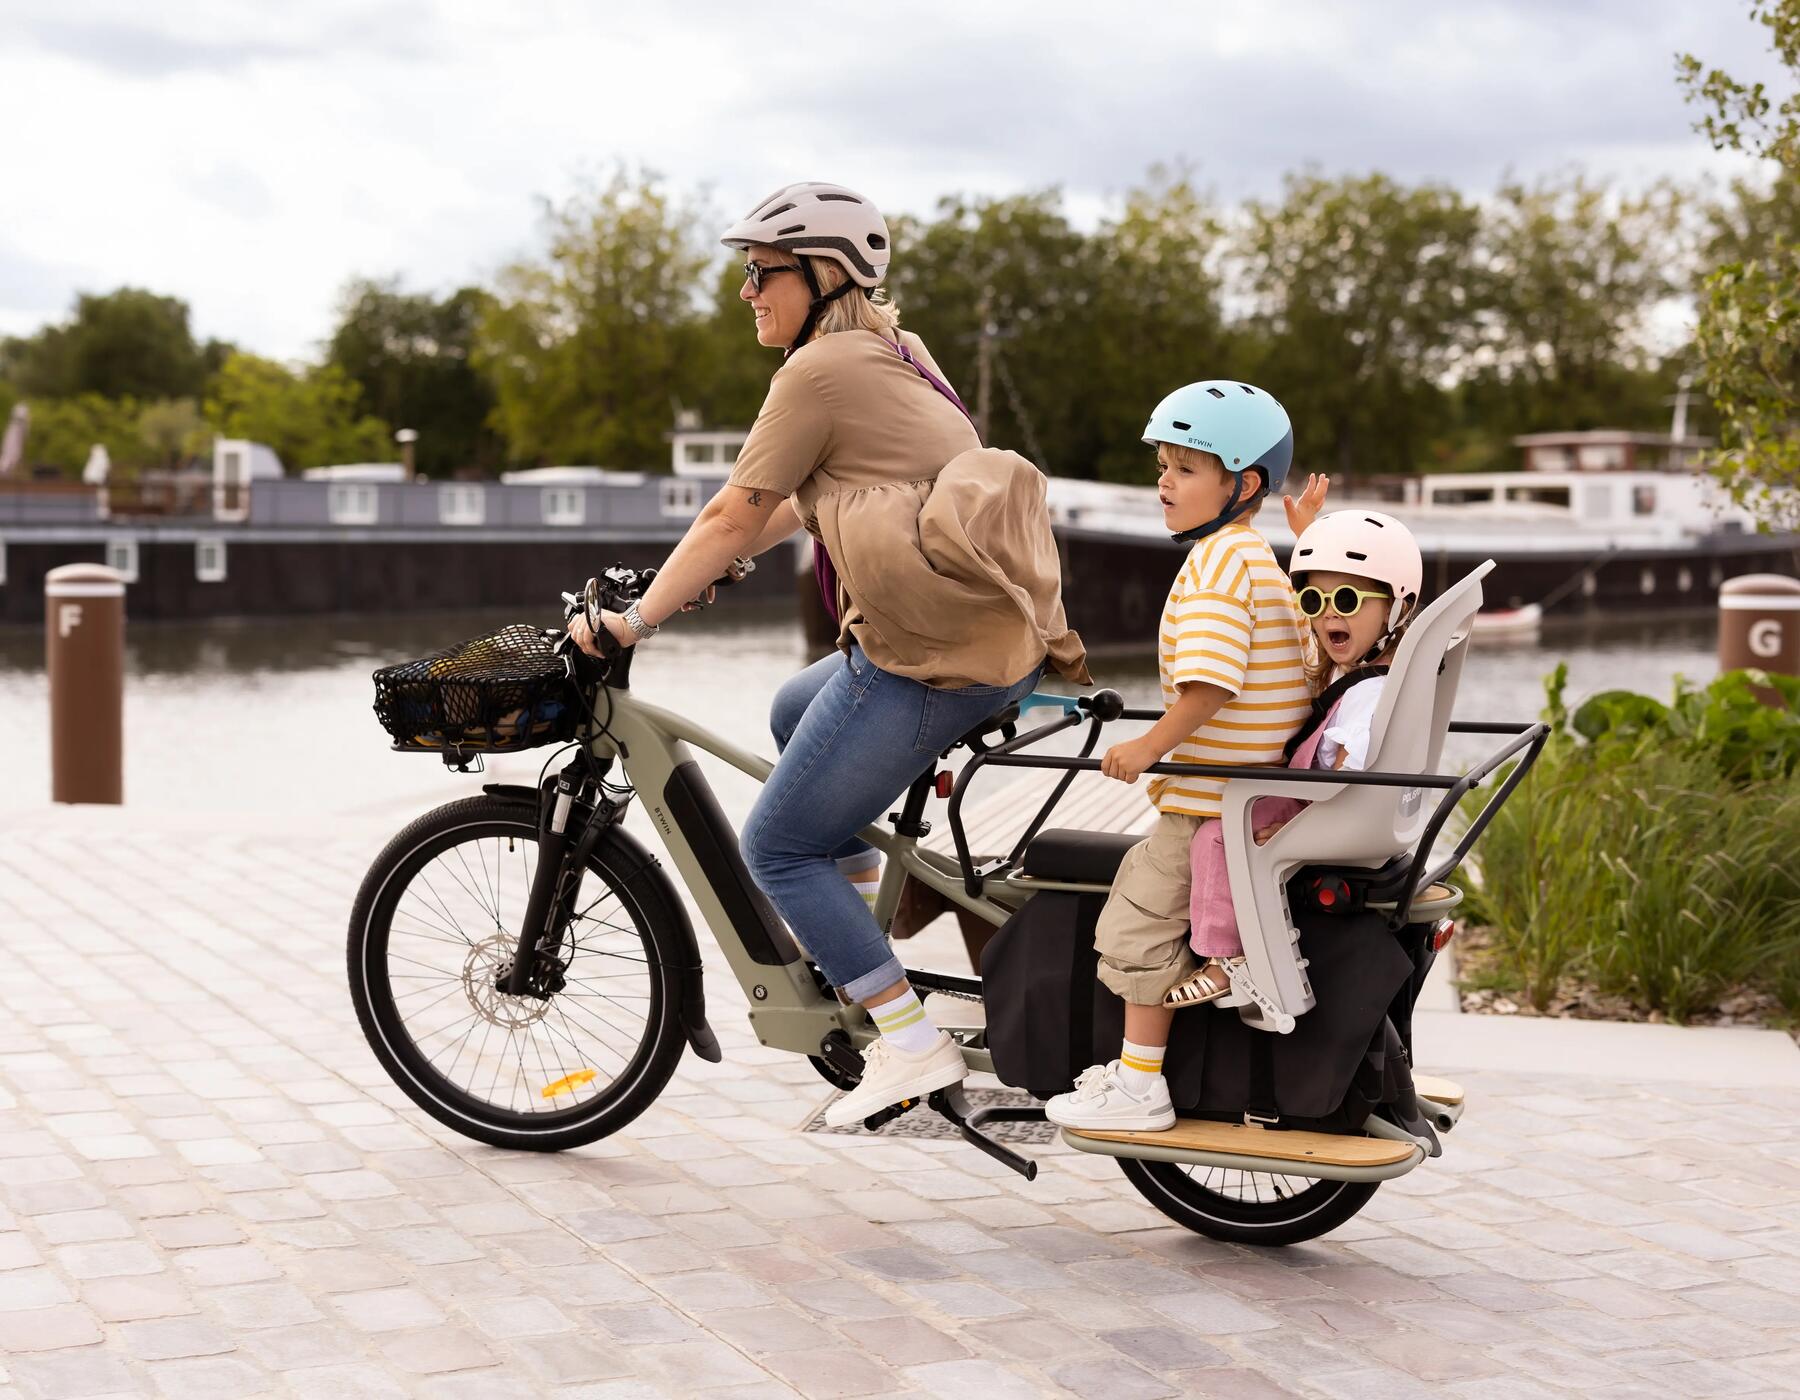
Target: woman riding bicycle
[[948, 593]]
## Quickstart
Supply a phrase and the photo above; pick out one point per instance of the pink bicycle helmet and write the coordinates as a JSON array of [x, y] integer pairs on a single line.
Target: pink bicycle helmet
[[822, 221], [1370, 545]]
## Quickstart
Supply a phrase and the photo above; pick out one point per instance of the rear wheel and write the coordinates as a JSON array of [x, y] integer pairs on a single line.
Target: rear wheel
[[1247, 1207], [435, 926]]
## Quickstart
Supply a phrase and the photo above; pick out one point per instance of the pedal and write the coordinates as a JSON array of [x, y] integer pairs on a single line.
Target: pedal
[[883, 1117]]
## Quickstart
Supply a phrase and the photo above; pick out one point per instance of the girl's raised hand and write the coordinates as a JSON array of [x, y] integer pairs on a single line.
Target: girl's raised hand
[[1302, 512]]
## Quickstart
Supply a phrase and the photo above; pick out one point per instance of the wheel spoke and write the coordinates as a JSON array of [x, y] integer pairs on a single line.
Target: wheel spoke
[[454, 926]]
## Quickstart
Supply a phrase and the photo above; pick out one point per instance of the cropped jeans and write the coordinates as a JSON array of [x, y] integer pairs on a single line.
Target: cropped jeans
[[852, 739]]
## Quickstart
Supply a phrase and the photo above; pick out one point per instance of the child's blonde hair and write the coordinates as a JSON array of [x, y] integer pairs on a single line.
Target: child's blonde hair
[[853, 311]]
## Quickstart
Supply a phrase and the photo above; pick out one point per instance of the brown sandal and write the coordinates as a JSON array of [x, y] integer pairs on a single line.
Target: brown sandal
[[1208, 984]]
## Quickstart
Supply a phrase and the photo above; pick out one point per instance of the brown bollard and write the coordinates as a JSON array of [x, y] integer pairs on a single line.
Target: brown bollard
[[1759, 627], [84, 646]]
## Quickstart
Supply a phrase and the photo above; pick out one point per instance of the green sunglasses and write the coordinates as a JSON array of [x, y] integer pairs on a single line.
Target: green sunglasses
[[1345, 601]]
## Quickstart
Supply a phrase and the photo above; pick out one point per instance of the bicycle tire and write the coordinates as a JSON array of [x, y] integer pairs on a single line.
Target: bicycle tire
[[643, 1073], [1314, 1210]]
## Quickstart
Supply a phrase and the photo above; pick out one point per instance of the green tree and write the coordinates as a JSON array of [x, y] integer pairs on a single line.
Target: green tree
[[1157, 321], [311, 419], [1569, 272], [1367, 295], [1748, 336], [409, 353], [1022, 262], [127, 343], [65, 430], [587, 345], [172, 432]]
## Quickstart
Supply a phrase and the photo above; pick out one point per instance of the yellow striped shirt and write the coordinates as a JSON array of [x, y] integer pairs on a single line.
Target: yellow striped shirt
[[1231, 621]]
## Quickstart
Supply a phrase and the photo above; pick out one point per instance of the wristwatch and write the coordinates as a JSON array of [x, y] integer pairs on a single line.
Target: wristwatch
[[635, 621]]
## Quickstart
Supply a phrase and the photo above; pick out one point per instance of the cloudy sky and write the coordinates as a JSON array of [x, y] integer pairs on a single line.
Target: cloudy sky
[[250, 157]]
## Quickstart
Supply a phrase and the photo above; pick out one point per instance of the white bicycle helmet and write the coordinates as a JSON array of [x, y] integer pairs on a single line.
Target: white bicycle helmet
[[1370, 545], [823, 221]]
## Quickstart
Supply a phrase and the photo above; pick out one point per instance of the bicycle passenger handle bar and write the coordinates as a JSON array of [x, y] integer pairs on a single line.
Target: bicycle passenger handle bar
[[1229, 770]]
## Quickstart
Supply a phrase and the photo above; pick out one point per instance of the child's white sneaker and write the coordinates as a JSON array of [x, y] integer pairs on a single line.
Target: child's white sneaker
[[890, 1074], [1100, 1101]]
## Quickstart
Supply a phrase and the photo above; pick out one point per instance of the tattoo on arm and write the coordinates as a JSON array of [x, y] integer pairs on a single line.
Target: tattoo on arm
[[756, 498]]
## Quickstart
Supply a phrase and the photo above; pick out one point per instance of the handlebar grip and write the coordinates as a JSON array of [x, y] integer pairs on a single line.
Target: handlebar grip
[[1103, 705]]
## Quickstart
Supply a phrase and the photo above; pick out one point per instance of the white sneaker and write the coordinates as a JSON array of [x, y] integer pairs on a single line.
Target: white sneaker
[[890, 1075], [1101, 1101]]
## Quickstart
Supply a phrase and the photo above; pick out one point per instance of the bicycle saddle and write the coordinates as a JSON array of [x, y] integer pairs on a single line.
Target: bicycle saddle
[[1000, 723]]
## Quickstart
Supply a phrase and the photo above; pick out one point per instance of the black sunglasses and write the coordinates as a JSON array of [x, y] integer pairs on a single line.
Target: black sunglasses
[[1345, 601], [756, 272]]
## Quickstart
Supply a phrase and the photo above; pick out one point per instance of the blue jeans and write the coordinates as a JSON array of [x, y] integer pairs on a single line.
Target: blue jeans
[[852, 738]]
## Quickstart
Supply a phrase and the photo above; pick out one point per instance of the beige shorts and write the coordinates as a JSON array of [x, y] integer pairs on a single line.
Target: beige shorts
[[1143, 930]]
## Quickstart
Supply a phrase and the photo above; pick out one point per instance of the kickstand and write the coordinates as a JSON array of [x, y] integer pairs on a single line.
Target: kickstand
[[952, 1105]]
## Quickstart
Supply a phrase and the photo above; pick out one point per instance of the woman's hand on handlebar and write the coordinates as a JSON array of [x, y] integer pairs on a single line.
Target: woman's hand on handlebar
[[615, 625]]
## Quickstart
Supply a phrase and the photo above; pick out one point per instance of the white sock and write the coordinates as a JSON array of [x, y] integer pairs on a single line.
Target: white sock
[[904, 1024], [868, 888], [1140, 1066]]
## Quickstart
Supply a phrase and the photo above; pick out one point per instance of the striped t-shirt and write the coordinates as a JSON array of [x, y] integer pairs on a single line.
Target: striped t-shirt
[[1231, 621]]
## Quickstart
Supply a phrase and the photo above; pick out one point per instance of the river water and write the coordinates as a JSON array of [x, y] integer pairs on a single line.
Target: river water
[[275, 715]]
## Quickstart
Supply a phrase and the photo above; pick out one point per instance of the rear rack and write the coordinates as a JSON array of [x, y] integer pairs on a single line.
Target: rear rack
[[1104, 706]]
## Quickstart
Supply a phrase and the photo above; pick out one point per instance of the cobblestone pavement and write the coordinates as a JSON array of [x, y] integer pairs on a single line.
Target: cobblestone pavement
[[208, 1189]]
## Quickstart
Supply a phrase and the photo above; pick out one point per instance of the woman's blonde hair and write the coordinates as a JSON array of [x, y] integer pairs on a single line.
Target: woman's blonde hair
[[853, 311]]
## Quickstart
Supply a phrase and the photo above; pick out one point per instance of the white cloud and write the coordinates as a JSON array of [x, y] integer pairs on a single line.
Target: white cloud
[[251, 158]]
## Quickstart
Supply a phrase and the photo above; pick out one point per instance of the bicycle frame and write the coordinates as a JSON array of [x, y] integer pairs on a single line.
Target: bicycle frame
[[789, 1007]]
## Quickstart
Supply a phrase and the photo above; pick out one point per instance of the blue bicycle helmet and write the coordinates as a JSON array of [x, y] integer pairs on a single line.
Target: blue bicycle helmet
[[1243, 426]]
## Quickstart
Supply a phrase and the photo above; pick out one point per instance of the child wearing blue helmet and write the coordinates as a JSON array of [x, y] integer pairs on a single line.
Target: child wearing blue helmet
[[1232, 655]]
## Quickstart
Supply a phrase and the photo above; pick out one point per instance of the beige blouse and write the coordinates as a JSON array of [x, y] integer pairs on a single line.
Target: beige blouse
[[947, 569]]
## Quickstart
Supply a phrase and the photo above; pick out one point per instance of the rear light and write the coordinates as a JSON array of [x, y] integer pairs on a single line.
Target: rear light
[[1441, 933], [945, 782]]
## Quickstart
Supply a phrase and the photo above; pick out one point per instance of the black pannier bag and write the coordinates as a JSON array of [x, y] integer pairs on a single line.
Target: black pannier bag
[[1049, 1017]]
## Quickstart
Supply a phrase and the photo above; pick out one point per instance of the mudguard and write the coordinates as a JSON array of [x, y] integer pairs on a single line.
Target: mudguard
[[645, 872]]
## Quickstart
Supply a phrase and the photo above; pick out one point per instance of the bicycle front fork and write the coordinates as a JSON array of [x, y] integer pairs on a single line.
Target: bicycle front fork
[[553, 846]]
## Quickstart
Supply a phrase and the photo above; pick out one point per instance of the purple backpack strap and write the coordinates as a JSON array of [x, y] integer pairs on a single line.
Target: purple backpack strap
[[933, 380]]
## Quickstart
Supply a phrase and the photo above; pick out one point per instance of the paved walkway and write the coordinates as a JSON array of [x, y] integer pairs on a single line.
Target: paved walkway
[[208, 1189]]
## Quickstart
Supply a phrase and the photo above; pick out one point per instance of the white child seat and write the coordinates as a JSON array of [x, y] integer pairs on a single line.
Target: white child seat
[[1347, 824]]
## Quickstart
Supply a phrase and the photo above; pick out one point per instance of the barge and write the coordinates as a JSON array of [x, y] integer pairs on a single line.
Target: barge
[[1587, 528]]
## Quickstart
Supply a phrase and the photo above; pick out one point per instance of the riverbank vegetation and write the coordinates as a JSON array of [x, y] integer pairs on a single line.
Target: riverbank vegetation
[[1648, 860]]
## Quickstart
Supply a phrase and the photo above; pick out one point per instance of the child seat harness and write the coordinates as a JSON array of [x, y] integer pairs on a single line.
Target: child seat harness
[[1328, 698]]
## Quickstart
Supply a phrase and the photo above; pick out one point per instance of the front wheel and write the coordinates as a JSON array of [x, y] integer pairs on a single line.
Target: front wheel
[[1246, 1207], [435, 926]]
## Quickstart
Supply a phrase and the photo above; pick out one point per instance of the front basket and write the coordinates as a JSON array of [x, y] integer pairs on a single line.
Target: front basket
[[507, 690]]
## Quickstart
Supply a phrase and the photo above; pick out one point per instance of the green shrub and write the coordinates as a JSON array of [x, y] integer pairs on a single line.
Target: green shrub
[[1651, 853]]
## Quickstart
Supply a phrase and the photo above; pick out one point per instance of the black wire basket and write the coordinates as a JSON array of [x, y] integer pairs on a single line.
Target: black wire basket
[[505, 691]]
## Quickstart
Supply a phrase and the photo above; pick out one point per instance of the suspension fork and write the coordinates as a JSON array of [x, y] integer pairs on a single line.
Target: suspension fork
[[554, 840]]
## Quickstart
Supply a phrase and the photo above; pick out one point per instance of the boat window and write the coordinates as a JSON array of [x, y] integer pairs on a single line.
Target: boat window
[[1643, 500], [1596, 500], [461, 504], [1542, 495], [209, 561], [351, 503], [122, 554], [1461, 495], [699, 454], [680, 497], [1601, 456], [564, 505]]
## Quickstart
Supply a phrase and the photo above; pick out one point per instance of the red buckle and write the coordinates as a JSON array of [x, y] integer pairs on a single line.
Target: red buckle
[[945, 782]]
